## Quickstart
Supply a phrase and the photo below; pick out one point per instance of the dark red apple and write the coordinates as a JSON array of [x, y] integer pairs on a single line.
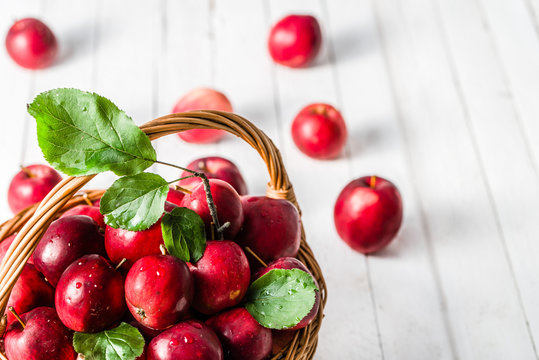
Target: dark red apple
[[30, 185], [227, 201], [91, 211], [368, 213], [241, 335], [30, 291], [202, 99], [43, 337], [158, 290], [31, 44], [295, 40], [293, 263], [188, 340], [90, 295], [5, 244], [66, 240], [221, 276], [319, 131], [175, 196], [215, 167], [132, 245], [271, 228]]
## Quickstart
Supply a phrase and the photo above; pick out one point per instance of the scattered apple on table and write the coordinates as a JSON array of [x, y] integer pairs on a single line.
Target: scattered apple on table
[[319, 131], [202, 99], [368, 213], [295, 40], [30, 185], [31, 44]]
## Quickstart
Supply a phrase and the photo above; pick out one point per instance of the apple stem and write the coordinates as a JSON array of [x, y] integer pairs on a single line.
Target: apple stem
[[372, 182], [12, 310], [248, 249], [120, 263], [183, 190], [163, 249], [209, 197], [87, 199], [26, 171]]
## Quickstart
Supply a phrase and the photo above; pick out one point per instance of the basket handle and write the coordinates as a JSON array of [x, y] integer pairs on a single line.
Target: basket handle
[[39, 217]]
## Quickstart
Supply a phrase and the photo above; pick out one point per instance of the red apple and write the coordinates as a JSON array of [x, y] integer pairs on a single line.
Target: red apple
[[66, 240], [295, 40], [202, 99], [319, 131], [221, 276], [5, 244], [158, 290], [368, 213], [43, 337], [31, 44], [30, 185], [188, 340], [30, 291], [271, 228], [91, 211], [90, 295], [227, 201], [132, 245], [175, 196], [293, 263], [215, 167], [241, 335]]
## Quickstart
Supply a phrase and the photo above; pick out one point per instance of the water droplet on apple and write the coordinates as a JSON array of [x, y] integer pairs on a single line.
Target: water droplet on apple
[[78, 285]]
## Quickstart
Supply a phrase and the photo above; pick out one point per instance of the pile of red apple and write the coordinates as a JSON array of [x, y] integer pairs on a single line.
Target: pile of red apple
[[86, 276]]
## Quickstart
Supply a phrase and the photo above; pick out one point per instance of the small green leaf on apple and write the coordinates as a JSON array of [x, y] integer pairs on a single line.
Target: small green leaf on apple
[[281, 298], [184, 234], [124, 342], [135, 202], [82, 133]]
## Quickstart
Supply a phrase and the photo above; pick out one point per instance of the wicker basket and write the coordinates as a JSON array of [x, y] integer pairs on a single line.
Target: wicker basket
[[31, 223]]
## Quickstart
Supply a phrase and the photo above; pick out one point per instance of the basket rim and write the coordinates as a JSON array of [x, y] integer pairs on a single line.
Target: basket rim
[[31, 223]]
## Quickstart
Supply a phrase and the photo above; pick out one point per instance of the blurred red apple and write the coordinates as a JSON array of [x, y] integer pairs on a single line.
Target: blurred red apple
[[202, 99], [295, 40], [31, 44]]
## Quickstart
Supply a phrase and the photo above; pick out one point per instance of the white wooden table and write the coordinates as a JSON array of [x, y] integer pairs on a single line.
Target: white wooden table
[[440, 96]]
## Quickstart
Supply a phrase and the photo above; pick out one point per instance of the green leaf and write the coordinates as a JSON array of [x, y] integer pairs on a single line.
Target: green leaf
[[184, 234], [135, 202], [281, 298], [82, 133], [121, 343]]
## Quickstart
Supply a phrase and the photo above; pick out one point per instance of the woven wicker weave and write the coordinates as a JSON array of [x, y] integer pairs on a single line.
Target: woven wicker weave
[[31, 223]]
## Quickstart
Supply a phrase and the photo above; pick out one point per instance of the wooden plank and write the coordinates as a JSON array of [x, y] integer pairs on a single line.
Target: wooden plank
[[475, 275], [185, 63], [412, 322], [349, 312], [496, 125], [244, 71], [15, 92]]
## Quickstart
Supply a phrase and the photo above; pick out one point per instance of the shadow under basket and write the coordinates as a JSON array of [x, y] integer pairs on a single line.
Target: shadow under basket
[[30, 224]]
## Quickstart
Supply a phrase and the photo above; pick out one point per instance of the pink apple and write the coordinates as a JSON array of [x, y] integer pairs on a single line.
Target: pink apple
[[202, 99], [31, 44], [368, 213], [295, 40], [30, 185]]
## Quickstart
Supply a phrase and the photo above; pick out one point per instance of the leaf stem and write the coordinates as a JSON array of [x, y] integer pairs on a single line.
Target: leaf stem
[[209, 198]]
